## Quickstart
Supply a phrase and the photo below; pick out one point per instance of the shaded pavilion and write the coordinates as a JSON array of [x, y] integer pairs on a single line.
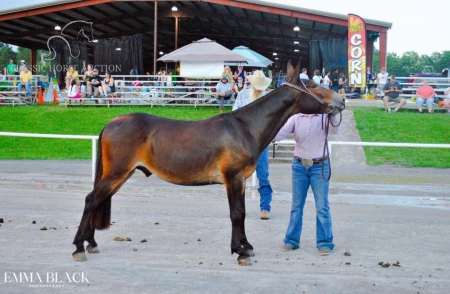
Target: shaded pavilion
[[265, 27]]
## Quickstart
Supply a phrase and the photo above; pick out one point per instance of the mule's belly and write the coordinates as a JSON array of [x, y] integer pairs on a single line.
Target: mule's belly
[[190, 178]]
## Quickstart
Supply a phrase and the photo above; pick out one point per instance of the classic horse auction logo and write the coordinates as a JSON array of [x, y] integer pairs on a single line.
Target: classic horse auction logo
[[68, 40]]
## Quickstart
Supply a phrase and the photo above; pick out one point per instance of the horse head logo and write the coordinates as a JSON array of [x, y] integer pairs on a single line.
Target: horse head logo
[[72, 44]]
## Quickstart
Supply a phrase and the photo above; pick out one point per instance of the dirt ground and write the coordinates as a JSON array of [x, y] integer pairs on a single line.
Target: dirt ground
[[381, 215]]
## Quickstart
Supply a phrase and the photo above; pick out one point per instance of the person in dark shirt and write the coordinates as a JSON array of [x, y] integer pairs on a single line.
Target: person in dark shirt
[[93, 83], [391, 91], [335, 80]]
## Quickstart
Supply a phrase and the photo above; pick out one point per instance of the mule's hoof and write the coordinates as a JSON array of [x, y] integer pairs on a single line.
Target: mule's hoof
[[244, 261], [250, 252], [92, 249], [80, 256]]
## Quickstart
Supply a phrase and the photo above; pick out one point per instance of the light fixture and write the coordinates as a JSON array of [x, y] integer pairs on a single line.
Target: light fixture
[[118, 49], [274, 53], [57, 28], [161, 53], [296, 50], [296, 28], [95, 41], [174, 9], [276, 58], [296, 42]]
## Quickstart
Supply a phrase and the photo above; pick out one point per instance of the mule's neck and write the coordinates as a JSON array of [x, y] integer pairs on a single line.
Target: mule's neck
[[267, 115]]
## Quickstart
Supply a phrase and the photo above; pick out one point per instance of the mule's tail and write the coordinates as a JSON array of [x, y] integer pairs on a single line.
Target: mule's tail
[[101, 216]]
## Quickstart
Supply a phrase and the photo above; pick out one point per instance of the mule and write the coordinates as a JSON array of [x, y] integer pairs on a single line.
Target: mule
[[223, 149]]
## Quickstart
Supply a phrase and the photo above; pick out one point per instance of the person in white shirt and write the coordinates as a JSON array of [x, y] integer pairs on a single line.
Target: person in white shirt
[[317, 78], [326, 80], [382, 79], [304, 75]]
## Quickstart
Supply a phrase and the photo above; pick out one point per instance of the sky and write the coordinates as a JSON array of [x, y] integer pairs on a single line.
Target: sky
[[419, 26]]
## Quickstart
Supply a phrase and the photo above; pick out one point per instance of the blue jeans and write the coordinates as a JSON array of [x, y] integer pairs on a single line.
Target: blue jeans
[[302, 178], [262, 173], [27, 87], [428, 101]]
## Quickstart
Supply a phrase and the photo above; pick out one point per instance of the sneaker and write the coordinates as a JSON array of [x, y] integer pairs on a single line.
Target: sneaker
[[389, 110], [394, 111], [287, 247], [448, 112], [324, 251], [264, 215], [420, 112]]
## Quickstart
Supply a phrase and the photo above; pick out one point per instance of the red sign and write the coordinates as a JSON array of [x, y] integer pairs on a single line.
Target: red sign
[[356, 51]]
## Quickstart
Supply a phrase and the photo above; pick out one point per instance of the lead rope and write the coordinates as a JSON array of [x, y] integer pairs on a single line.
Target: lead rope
[[326, 151]]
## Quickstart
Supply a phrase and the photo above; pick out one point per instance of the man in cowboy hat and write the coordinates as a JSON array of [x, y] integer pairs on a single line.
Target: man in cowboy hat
[[258, 85], [224, 91]]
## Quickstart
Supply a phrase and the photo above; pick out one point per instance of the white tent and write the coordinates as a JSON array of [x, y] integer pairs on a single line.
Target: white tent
[[202, 59]]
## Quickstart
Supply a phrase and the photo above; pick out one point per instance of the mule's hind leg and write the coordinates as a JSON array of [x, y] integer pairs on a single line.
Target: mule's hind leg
[[96, 214], [235, 190]]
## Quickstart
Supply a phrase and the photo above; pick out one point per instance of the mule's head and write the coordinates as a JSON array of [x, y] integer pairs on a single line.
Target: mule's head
[[313, 98]]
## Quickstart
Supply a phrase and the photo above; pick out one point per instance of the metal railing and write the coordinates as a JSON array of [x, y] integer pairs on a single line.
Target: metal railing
[[53, 136], [282, 142]]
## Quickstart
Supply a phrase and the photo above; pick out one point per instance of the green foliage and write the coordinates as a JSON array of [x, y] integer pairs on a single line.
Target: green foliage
[[410, 62], [55, 119], [406, 126]]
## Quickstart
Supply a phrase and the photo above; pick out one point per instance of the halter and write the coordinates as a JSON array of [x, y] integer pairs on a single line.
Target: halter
[[328, 109]]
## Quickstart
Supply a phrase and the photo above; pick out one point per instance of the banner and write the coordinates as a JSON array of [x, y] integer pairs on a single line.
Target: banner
[[356, 51]]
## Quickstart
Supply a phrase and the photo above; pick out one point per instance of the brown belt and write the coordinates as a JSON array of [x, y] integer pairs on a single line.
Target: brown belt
[[310, 161]]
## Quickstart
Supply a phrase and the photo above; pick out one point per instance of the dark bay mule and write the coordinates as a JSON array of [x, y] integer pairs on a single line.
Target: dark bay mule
[[223, 149]]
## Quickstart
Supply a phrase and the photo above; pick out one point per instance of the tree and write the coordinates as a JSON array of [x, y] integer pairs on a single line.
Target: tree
[[6, 54]]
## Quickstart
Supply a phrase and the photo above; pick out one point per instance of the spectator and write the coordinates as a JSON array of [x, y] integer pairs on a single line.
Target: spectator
[[240, 72], [74, 91], [93, 84], [317, 78], [326, 80], [71, 74], [25, 81], [11, 70], [88, 73], [224, 91], [176, 77], [335, 80], [107, 85], [239, 86], [425, 93], [257, 88], [22, 66], [227, 72], [447, 100], [134, 71], [310, 167], [392, 90], [304, 74], [342, 82], [381, 80]]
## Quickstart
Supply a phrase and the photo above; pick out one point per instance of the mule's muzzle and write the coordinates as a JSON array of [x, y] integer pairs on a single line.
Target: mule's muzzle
[[336, 105]]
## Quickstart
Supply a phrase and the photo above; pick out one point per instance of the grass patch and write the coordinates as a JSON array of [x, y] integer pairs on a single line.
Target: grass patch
[[54, 119], [406, 126], [373, 124]]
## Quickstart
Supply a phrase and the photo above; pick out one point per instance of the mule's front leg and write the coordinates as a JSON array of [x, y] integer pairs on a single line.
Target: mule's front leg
[[239, 243]]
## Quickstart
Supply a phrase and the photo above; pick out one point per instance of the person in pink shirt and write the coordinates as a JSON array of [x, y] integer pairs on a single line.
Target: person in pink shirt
[[310, 168], [425, 93]]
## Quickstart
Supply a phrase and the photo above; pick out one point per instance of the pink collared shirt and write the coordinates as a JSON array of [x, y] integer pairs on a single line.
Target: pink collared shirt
[[308, 134], [425, 92]]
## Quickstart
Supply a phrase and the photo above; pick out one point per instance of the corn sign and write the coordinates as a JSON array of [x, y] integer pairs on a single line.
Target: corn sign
[[356, 51]]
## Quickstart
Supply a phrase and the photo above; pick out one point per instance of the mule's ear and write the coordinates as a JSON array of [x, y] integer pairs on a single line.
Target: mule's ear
[[289, 72]]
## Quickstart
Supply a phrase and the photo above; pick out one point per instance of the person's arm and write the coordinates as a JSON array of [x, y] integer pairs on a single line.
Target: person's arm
[[377, 80], [447, 91], [111, 82], [386, 88], [286, 130], [399, 88]]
